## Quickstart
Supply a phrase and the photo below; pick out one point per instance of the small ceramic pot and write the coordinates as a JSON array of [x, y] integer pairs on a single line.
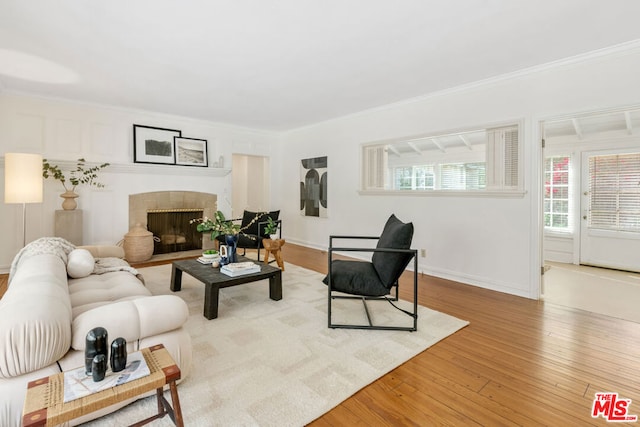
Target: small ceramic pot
[[98, 367]]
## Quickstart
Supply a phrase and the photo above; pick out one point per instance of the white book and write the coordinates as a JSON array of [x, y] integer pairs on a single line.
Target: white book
[[241, 272], [240, 266]]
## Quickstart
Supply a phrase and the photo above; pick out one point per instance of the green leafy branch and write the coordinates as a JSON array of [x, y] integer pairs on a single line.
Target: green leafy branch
[[80, 175]]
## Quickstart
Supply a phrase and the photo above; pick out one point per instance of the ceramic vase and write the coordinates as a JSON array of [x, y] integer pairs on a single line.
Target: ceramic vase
[[98, 367], [96, 342], [118, 354], [69, 202], [232, 243]]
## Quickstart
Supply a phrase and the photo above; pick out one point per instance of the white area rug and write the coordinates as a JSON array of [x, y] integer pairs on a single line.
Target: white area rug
[[275, 363]]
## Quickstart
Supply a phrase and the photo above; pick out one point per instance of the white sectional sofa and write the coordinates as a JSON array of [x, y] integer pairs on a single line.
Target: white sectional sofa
[[45, 316]]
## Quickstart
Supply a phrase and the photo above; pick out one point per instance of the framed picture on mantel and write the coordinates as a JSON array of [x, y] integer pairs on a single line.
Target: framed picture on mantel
[[191, 151], [154, 145]]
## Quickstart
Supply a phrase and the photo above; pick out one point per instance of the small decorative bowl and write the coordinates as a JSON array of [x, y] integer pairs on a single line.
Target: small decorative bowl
[[210, 256]]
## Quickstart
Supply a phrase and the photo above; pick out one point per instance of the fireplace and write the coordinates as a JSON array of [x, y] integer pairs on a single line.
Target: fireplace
[[167, 214], [173, 231]]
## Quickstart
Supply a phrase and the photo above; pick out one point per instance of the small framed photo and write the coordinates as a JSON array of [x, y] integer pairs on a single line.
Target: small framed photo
[[154, 145], [191, 151]]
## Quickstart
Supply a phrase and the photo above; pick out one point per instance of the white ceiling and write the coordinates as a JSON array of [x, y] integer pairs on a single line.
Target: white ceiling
[[282, 64]]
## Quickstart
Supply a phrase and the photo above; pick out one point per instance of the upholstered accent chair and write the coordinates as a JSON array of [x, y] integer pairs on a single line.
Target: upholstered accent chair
[[377, 279], [252, 229]]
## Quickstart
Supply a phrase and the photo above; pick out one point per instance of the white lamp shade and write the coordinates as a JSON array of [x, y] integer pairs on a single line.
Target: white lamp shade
[[23, 180]]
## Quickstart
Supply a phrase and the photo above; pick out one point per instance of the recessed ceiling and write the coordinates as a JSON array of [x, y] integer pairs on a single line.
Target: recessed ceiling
[[282, 64]]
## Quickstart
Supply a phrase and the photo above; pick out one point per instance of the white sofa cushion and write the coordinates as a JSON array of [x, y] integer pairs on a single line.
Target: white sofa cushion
[[35, 316], [80, 263], [104, 251], [132, 320], [100, 289]]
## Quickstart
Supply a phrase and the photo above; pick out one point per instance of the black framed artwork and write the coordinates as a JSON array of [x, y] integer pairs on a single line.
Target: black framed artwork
[[154, 145], [191, 151]]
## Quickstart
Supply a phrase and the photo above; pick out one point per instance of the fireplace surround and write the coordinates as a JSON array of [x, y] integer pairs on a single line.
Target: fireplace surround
[[142, 203]]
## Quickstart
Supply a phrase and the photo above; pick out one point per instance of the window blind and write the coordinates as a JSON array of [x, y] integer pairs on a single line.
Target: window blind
[[503, 158], [511, 158], [463, 176], [614, 192], [375, 160]]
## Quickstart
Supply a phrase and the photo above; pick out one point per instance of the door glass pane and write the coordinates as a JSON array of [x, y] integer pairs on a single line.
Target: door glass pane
[[614, 192]]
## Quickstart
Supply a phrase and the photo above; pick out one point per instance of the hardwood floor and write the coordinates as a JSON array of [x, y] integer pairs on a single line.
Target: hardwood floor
[[519, 362]]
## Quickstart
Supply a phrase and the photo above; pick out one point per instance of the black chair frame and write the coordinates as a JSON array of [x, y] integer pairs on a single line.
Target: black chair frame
[[390, 299]]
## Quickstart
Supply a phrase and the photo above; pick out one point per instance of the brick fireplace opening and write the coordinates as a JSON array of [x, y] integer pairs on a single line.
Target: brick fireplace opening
[[167, 214]]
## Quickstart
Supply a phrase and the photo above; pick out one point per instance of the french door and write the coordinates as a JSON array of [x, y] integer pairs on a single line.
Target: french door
[[610, 209]]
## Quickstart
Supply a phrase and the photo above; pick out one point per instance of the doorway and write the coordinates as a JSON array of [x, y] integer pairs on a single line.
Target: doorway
[[250, 179], [592, 210]]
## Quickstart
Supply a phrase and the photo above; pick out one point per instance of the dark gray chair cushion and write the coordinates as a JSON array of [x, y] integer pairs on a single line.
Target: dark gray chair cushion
[[396, 235], [356, 278]]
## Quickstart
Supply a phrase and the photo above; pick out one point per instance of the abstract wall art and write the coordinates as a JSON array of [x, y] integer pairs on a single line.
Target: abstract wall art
[[313, 187]]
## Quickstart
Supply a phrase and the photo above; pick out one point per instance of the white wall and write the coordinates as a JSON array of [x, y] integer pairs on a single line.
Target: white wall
[[62, 130], [489, 242]]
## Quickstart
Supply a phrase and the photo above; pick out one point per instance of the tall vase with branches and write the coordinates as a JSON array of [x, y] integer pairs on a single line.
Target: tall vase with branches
[[81, 175]]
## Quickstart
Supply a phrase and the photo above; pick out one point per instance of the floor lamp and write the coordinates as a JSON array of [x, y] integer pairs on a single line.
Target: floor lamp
[[23, 182]]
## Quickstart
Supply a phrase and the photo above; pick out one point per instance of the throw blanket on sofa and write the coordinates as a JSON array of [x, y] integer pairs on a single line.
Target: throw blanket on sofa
[[61, 248], [44, 245], [109, 264]]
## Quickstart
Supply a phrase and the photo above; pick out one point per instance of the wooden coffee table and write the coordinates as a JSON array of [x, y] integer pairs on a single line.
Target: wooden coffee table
[[214, 281], [44, 404]]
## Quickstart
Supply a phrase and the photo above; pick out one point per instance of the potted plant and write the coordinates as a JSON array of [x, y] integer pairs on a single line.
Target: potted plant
[[216, 226], [271, 228], [220, 226], [80, 175]]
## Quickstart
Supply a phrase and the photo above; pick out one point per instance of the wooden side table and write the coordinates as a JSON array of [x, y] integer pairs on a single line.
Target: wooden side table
[[44, 404], [274, 246]]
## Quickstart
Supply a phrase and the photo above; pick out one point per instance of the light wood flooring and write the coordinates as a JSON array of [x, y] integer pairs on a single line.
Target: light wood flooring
[[519, 362]]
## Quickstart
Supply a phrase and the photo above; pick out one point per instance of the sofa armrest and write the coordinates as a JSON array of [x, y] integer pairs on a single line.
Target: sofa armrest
[[104, 251], [132, 320]]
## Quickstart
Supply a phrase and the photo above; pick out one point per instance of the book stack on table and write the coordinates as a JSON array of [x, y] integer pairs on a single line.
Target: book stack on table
[[240, 268]]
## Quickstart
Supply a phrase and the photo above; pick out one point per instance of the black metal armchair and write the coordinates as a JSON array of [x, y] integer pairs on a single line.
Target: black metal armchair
[[252, 229], [377, 279]]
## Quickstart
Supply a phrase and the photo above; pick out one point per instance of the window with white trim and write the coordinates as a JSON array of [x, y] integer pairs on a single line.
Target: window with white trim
[[476, 160], [614, 192], [413, 178], [557, 202]]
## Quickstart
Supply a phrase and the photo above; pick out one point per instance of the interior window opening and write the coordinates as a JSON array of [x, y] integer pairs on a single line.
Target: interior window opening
[[477, 160]]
